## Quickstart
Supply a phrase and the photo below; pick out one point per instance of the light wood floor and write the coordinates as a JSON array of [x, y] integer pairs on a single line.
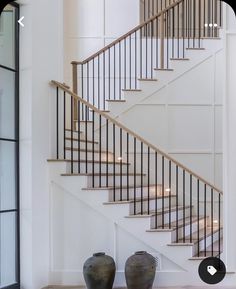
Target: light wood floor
[[185, 287]]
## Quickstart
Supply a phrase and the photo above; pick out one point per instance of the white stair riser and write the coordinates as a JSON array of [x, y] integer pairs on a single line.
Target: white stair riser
[[187, 230], [152, 204], [138, 191], [90, 155], [208, 242], [82, 144], [113, 182], [166, 217]]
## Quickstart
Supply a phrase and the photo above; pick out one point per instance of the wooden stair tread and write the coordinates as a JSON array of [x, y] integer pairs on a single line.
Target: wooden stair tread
[[201, 235], [97, 174], [115, 100], [202, 254], [88, 161], [132, 90], [138, 200], [180, 59], [181, 223], [147, 79], [163, 69], [117, 187], [88, 150], [81, 140], [195, 48], [159, 211]]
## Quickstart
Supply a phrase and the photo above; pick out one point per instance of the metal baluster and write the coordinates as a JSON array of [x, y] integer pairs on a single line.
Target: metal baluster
[[156, 196], [170, 194], [184, 212], [198, 218], [130, 62], [107, 148], [177, 204], [163, 191], [191, 208], [125, 63], [104, 80], [127, 166], [57, 122], [178, 30], [99, 82], [71, 135], [93, 152], [120, 70], [219, 226], [134, 175], [148, 176], [199, 24], [135, 56], [114, 162], [141, 54], [93, 83], [121, 161], [86, 139], [100, 150], [79, 130], [109, 73], [64, 122], [205, 222], [114, 72], [141, 156], [146, 30], [151, 49], [167, 39], [82, 88], [194, 22], [212, 223]]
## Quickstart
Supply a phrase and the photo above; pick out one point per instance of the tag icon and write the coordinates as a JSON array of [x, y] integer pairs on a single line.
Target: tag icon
[[211, 270]]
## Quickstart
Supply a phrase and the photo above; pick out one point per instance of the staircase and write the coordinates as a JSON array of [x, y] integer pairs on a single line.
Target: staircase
[[118, 173]]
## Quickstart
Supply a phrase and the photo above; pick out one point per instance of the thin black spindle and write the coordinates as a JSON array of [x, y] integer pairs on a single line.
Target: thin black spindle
[[130, 62], [212, 223], [134, 175], [163, 192], [127, 166], [114, 72], [148, 180], [125, 85], [156, 197], [93, 76], [64, 122], [114, 162], [71, 134], [107, 148], [184, 209], [79, 130], [86, 139], [93, 152], [99, 101], [141, 163], [191, 208], [104, 80], [100, 150], [219, 226], [177, 204], [170, 194], [135, 58], [57, 122], [205, 219], [121, 163], [198, 218]]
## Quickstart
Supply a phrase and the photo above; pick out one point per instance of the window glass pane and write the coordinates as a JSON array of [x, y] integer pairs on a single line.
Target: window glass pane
[[7, 175], [7, 37], [7, 249], [7, 104]]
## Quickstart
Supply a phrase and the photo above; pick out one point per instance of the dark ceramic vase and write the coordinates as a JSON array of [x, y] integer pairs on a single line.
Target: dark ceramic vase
[[99, 272], [140, 270]]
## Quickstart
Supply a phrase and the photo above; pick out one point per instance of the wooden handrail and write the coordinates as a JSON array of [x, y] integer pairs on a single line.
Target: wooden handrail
[[105, 115], [127, 34]]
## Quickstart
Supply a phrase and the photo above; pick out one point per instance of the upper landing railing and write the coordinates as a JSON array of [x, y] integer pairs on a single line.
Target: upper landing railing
[[148, 47]]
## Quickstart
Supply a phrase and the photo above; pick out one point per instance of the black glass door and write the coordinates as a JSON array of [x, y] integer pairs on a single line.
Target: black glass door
[[9, 147]]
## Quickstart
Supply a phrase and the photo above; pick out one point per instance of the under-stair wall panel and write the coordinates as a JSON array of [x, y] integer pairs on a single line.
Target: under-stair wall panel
[[188, 125]]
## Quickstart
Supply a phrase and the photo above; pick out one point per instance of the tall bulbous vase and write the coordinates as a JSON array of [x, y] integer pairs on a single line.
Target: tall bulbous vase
[[140, 270], [99, 271]]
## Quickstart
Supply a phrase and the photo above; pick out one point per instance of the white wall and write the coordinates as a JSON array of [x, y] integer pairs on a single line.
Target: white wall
[[184, 117], [230, 142], [91, 24], [41, 54]]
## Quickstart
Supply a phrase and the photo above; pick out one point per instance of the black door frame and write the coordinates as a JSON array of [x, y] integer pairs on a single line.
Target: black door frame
[[16, 141]]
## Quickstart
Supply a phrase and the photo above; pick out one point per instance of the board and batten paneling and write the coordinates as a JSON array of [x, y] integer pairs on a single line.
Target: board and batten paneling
[[184, 118]]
